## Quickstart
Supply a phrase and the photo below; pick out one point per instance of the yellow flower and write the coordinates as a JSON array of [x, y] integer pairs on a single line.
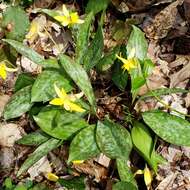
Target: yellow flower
[[67, 100], [77, 161], [147, 176], [66, 18], [52, 177], [130, 62], [4, 69]]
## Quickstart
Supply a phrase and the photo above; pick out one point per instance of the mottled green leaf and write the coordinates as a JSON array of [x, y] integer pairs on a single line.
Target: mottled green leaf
[[82, 38], [94, 52], [163, 91], [144, 144], [79, 76], [123, 185], [83, 146], [148, 67], [138, 41], [124, 171], [96, 7], [23, 80], [41, 151], [171, 128], [43, 88], [31, 54], [107, 60], [113, 140], [34, 139], [19, 103], [76, 183], [119, 77], [17, 21], [59, 123]]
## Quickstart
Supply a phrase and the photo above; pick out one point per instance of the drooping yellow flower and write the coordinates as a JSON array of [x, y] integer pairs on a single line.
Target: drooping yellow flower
[[51, 177], [147, 176], [67, 100], [4, 69], [66, 18], [130, 62], [77, 161]]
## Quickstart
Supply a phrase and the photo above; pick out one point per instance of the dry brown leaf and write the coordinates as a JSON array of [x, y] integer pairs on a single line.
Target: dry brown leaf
[[3, 101], [9, 133], [6, 158], [180, 76], [103, 160], [92, 169], [163, 22]]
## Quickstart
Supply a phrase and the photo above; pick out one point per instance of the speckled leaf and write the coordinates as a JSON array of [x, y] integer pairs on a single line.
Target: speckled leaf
[[124, 171], [30, 54], [17, 21], [43, 88], [23, 80], [170, 128], [138, 41], [94, 52], [113, 140], [144, 144], [82, 38], [123, 185], [79, 76], [83, 146], [19, 103], [34, 138], [96, 7], [59, 123], [41, 151]]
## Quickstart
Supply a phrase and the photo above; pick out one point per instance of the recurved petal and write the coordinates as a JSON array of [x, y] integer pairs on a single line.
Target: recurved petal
[[3, 73], [65, 21], [56, 102], [60, 93], [73, 107], [65, 10]]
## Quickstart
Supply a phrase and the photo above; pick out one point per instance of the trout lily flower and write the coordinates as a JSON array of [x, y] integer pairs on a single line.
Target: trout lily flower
[[67, 101], [147, 176], [66, 18], [130, 62], [4, 69], [51, 177]]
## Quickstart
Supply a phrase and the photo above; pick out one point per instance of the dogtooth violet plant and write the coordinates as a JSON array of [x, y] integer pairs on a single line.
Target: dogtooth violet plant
[[68, 116]]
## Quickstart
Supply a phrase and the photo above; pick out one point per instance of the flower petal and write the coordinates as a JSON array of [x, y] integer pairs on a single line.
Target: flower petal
[[131, 53], [121, 58], [65, 10], [73, 107], [3, 73], [77, 161], [52, 177], [60, 93], [147, 176], [74, 97], [56, 102], [65, 21]]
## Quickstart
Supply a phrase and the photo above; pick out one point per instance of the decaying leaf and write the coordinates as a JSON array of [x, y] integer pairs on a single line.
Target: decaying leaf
[[163, 22], [3, 101]]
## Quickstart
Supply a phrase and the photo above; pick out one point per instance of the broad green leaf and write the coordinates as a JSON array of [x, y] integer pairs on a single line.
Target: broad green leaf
[[94, 52], [79, 76], [138, 41], [40, 186], [23, 80], [19, 103], [43, 88], [76, 183], [83, 146], [163, 91], [171, 128], [123, 185], [148, 67], [107, 60], [41, 151], [59, 123], [31, 54], [119, 77], [34, 139], [113, 140], [144, 144], [17, 21], [96, 7], [124, 171], [82, 38]]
